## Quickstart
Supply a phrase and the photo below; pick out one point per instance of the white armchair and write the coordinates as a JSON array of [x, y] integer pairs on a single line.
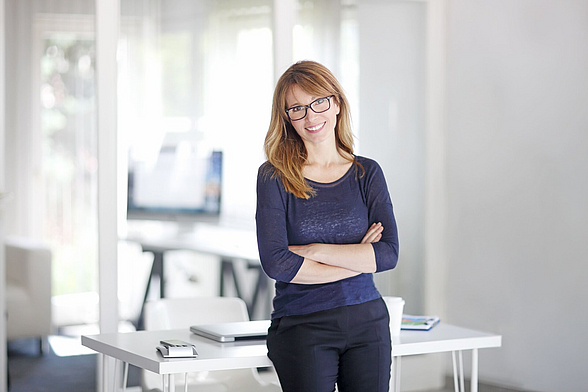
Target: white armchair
[[28, 289]]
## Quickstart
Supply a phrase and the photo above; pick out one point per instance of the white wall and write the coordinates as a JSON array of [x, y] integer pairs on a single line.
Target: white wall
[[517, 166], [394, 47], [392, 121]]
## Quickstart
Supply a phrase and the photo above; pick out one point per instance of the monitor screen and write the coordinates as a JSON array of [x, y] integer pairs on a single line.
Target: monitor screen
[[181, 183]]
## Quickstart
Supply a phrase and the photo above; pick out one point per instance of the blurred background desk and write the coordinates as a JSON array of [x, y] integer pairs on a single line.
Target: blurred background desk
[[229, 243]]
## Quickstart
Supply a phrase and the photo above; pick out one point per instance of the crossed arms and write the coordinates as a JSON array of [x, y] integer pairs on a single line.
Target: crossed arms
[[324, 263]]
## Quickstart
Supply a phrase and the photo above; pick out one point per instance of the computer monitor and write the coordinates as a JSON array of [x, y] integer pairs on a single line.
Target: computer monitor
[[183, 183]]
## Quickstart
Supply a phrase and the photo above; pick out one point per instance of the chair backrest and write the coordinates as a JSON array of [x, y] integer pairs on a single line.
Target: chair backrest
[[25, 256], [28, 288], [174, 313]]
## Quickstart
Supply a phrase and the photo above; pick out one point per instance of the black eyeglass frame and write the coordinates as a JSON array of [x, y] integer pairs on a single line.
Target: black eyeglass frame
[[309, 106]]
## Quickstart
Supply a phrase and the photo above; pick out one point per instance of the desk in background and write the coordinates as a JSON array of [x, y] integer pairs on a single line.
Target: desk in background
[[138, 349], [229, 243]]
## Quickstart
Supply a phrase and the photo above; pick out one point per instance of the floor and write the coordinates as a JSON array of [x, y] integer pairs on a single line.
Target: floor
[[30, 371], [481, 387]]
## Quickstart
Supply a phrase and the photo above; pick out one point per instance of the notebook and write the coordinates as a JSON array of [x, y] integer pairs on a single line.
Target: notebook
[[230, 332]]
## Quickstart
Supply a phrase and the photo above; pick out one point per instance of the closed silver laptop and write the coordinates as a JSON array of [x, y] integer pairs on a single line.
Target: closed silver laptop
[[230, 332]]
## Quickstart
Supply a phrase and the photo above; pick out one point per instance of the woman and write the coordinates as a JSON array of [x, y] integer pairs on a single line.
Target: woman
[[324, 224]]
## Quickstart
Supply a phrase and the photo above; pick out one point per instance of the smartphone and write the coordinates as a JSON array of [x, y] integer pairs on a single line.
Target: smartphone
[[175, 343], [172, 348]]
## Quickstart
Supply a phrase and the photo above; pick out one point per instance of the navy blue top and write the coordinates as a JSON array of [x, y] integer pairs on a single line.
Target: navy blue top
[[340, 213]]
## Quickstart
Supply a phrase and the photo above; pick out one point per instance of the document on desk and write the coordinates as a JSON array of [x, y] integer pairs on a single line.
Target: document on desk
[[418, 323]]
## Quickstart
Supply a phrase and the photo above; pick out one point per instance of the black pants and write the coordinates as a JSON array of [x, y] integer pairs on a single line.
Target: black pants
[[349, 345]]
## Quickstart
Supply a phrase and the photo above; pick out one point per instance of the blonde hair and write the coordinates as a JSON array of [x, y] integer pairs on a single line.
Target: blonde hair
[[283, 146]]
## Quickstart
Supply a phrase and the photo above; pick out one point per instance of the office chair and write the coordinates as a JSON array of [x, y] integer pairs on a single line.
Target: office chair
[[28, 289], [177, 313]]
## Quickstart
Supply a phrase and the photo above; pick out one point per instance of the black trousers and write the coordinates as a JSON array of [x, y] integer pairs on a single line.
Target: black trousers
[[349, 345]]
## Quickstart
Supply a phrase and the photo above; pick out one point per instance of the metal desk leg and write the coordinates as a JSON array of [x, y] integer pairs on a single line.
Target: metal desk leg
[[172, 383], [116, 380], [396, 364], [114, 383], [461, 381], [104, 372], [460, 386], [109, 377], [474, 381], [125, 376], [392, 386], [169, 384], [455, 384]]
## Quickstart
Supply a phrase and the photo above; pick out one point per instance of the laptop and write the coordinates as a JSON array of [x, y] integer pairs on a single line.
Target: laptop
[[230, 332]]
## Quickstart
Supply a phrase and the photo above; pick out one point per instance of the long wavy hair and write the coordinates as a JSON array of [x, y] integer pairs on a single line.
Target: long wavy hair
[[284, 148]]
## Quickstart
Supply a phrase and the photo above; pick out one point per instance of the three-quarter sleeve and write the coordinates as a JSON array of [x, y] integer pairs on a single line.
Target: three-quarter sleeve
[[380, 210], [277, 261]]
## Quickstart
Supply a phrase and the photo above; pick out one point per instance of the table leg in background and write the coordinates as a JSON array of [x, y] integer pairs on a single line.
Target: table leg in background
[[156, 269], [227, 267]]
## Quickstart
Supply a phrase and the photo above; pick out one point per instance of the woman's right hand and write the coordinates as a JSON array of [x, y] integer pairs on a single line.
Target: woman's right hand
[[374, 233]]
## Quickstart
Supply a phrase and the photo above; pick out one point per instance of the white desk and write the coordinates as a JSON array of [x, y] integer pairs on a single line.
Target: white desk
[[138, 349], [227, 242], [216, 239], [443, 338]]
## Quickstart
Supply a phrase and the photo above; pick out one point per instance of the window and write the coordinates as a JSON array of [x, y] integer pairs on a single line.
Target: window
[[203, 77], [67, 125]]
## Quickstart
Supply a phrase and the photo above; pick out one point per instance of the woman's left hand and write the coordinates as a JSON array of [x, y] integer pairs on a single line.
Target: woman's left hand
[[374, 233]]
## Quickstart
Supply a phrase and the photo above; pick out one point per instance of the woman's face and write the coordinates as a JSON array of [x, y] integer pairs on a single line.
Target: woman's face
[[314, 128]]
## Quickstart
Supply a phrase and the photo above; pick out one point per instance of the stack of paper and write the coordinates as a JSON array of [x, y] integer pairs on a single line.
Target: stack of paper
[[418, 323]]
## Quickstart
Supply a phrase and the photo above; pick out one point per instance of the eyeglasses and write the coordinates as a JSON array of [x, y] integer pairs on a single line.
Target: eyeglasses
[[319, 105]]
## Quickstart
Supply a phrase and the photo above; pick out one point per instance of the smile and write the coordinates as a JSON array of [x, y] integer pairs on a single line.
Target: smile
[[316, 128]]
